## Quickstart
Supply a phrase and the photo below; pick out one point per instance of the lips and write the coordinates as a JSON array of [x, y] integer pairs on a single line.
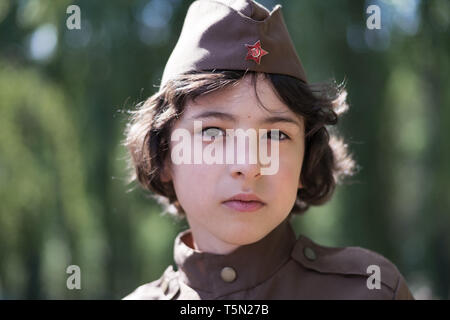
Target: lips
[[244, 202], [245, 197]]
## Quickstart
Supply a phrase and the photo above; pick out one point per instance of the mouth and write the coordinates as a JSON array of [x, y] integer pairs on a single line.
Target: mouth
[[244, 203]]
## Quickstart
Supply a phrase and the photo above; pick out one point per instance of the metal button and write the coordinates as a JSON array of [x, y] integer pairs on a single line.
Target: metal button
[[228, 274], [309, 253]]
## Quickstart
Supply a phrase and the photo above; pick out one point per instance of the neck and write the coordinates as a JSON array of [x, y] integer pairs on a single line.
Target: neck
[[189, 240]]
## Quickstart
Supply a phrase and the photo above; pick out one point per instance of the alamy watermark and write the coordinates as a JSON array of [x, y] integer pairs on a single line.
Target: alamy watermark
[[374, 20], [74, 20], [213, 153], [74, 280], [374, 280]]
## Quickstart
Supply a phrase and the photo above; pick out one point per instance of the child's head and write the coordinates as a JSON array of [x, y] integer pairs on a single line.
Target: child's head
[[311, 161]]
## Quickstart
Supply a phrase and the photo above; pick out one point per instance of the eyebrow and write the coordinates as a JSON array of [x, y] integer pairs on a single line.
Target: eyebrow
[[229, 117]]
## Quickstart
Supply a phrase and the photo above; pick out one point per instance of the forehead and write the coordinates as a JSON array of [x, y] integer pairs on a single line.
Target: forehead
[[240, 99]]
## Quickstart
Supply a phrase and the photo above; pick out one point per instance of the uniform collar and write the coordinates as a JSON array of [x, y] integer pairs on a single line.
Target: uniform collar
[[253, 263]]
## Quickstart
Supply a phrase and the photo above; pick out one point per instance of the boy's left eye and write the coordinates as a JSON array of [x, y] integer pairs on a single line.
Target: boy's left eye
[[276, 134]]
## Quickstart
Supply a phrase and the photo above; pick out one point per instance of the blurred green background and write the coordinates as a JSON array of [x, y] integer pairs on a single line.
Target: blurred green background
[[64, 97]]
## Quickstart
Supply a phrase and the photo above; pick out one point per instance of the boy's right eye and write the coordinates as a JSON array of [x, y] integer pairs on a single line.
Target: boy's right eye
[[212, 132]]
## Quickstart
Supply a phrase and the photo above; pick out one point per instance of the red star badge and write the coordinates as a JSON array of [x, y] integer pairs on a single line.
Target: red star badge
[[255, 52]]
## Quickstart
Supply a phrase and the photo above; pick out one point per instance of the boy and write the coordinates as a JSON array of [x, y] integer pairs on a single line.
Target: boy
[[235, 68]]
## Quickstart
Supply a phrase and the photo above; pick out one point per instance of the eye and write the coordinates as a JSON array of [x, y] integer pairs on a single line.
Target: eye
[[212, 132], [276, 135]]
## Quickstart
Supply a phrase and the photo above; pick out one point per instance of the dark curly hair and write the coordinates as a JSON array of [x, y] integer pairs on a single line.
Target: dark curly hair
[[326, 160]]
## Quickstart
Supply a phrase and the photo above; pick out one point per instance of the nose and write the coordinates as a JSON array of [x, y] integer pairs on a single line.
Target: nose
[[249, 167], [247, 170]]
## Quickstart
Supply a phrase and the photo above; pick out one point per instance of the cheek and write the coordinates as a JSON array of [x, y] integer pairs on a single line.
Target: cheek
[[194, 182], [286, 182], [290, 166]]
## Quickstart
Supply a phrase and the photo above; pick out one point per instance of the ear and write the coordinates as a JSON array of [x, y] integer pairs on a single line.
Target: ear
[[300, 185]]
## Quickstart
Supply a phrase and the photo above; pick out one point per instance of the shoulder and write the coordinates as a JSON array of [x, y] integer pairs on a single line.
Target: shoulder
[[164, 288], [351, 262]]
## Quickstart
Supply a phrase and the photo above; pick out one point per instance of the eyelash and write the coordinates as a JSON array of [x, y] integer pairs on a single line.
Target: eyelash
[[268, 132]]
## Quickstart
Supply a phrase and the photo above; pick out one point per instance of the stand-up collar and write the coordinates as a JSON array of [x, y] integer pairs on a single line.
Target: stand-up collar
[[246, 267]]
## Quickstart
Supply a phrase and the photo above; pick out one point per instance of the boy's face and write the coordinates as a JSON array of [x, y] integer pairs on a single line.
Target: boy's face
[[202, 188]]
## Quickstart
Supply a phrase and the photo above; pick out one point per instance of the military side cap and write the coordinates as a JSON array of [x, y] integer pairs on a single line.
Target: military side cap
[[233, 35]]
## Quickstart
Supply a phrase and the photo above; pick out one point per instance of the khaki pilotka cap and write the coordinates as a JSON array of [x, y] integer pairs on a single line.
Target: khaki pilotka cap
[[233, 35]]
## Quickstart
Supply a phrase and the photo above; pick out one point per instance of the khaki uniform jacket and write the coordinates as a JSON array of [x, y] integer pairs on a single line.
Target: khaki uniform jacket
[[279, 266]]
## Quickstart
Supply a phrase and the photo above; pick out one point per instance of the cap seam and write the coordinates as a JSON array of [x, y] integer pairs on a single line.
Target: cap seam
[[396, 288], [275, 9]]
